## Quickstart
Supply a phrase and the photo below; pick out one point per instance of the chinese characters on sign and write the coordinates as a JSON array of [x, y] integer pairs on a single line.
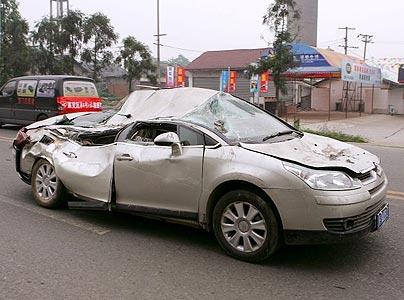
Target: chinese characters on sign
[[170, 76], [361, 73], [180, 77], [264, 82], [228, 81], [233, 81]]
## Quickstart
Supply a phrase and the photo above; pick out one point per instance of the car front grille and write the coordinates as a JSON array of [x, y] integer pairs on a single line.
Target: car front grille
[[354, 224]]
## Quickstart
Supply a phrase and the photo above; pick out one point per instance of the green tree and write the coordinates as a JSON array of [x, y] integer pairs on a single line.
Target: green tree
[[99, 35], [136, 59], [281, 59], [14, 56], [181, 60], [71, 38], [47, 51]]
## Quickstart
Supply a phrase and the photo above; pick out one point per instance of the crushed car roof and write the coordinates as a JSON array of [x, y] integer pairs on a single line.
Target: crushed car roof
[[148, 104]]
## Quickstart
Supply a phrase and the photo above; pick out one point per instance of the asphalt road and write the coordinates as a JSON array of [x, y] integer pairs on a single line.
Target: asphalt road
[[86, 255]]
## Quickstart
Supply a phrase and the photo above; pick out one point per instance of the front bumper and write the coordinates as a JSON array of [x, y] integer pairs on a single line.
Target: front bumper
[[337, 229], [316, 217]]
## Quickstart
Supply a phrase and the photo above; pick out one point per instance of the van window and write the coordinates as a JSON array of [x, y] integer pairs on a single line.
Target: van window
[[46, 89], [26, 88], [9, 89], [79, 89]]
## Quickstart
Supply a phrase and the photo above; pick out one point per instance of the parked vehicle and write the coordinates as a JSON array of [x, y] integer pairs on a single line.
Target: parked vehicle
[[211, 160], [28, 99]]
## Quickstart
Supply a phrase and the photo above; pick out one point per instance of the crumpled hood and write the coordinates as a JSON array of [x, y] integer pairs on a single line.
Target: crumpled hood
[[319, 152]]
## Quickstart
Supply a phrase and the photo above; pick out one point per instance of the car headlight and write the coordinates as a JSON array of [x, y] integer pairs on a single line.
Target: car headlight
[[323, 180]]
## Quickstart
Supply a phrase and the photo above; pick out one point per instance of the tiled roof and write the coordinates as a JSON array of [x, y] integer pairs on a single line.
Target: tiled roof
[[235, 59]]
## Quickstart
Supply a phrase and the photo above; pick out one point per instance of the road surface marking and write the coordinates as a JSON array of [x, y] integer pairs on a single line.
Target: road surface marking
[[395, 195], [6, 139], [57, 217]]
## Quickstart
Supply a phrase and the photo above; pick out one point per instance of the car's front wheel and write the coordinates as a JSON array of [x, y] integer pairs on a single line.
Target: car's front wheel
[[48, 190], [245, 226]]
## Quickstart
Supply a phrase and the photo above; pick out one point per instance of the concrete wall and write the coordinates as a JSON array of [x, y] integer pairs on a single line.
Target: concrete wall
[[396, 99], [382, 97], [306, 27], [320, 95]]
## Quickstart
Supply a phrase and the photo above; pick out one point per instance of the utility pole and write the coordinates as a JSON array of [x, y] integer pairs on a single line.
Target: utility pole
[[346, 85], [366, 39], [158, 35], [346, 44]]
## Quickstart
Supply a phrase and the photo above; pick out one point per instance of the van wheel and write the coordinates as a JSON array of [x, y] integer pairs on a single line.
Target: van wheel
[[41, 117], [48, 190], [245, 226]]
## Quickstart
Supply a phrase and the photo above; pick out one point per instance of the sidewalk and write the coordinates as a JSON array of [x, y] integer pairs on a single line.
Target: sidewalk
[[382, 130]]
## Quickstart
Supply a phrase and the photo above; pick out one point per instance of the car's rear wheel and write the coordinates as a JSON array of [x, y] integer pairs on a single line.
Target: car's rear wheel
[[48, 190], [245, 226]]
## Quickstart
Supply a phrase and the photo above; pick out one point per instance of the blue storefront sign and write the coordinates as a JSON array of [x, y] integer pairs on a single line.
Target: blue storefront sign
[[224, 80], [308, 57]]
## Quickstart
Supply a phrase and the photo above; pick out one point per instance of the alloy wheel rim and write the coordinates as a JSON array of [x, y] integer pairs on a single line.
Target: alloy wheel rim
[[244, 227], [46, 182]]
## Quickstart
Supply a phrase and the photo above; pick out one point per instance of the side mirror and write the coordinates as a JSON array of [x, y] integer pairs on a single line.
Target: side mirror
[[169, 139]]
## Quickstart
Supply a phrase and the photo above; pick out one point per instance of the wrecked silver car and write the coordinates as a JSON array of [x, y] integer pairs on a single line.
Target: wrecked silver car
[[211, 160]]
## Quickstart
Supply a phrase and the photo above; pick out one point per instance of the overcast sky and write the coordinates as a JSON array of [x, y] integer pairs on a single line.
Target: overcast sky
[[201, 25]]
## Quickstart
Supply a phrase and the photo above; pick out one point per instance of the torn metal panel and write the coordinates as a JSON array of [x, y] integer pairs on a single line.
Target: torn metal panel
[[319, 152]]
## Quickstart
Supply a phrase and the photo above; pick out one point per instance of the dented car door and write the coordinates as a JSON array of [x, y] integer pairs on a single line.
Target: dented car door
[[86, 171], [150, 177]]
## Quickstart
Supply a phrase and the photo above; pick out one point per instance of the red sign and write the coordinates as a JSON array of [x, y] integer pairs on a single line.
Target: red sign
[[79, 104], [180, 77], [26, 101], [264, 82], [233, 81]]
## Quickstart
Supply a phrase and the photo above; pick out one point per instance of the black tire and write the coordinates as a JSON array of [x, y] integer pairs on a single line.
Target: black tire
[[41, 117], [54, 197], [250, 248]]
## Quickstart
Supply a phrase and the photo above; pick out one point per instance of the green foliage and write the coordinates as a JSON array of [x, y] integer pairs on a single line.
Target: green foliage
[[136, 59], [57, 44], [181, 61], [71, 38], [99, 35], [281, 58], [338, 136], [46, 38], [14, 56]]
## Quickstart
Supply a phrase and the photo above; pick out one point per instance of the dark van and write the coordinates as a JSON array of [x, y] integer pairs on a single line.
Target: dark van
[[28, 99]]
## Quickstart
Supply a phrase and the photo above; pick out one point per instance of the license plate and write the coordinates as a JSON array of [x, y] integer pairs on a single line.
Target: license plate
[[382, 216]]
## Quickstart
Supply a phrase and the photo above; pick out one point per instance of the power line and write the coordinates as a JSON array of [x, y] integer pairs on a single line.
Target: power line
[[346, 44], [183, 49], [366, 39]]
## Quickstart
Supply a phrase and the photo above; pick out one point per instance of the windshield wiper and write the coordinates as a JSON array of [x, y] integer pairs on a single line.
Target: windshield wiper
[[282, 133]]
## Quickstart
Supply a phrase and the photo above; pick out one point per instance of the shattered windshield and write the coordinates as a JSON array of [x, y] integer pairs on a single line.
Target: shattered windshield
[[237, 120]]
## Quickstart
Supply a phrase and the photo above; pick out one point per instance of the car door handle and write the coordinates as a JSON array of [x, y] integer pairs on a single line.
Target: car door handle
[[124, 157]]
